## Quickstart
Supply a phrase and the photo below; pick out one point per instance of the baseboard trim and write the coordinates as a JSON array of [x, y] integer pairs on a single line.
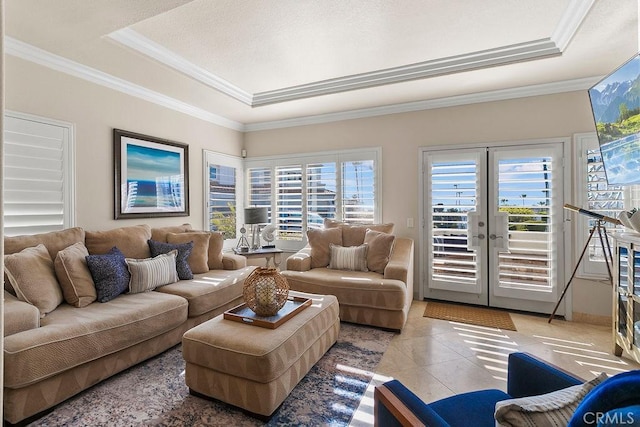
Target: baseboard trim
[[592, 319]]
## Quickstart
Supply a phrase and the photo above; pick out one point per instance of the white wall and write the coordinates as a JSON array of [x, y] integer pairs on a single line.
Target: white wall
[[401, 136], [95, 111]]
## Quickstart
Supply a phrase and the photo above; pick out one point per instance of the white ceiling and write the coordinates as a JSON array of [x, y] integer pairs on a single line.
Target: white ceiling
[[252, 64]]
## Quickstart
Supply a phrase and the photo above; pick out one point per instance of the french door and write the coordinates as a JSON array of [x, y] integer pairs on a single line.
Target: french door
[[493, 224]]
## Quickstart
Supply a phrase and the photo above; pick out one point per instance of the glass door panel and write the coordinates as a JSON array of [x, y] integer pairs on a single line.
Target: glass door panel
[[453, 214], [526, 225]]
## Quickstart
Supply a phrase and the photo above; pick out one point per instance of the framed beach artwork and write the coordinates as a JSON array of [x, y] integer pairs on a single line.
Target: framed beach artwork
[[151, 176]]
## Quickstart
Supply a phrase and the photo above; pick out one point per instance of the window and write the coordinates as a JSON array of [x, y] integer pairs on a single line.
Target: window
[[597, 196], [38, 175], [223, 193], [302, 190]]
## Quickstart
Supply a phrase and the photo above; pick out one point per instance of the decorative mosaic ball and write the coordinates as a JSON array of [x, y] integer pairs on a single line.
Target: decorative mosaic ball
[[265, 291]]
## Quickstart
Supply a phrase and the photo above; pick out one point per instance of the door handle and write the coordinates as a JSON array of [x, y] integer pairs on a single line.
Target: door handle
[[501, 224], [473, 235]]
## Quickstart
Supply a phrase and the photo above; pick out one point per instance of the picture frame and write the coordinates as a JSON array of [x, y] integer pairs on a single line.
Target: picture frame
[[151, 176]]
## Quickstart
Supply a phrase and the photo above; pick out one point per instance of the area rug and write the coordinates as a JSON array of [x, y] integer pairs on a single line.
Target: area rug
[[472, 315], [153, 393]]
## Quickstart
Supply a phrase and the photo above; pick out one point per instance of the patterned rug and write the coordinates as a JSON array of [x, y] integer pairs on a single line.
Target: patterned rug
[[479, 316], [153, 393]]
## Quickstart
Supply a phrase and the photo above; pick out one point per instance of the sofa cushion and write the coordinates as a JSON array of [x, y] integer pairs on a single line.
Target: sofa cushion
[[469, 409], [216, 243], [33, 278], [319, 240], [132, 241], [555, 408], [150, 273], [352, 258], [159, 234], [54, 241], [209, 291], [74, 276], [184, 249], [380, 245], [353, 288], [19, 316], [198, 259], [69, 337], [110, 274], [353, 234]]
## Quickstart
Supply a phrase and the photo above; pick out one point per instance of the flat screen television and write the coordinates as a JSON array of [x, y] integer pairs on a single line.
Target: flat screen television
[[615, 103]]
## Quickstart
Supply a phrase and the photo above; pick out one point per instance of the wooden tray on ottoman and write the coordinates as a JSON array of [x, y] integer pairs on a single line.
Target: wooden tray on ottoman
[[244, 314]]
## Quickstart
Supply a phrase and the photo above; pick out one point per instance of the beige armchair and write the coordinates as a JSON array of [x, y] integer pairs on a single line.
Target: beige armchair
[[365, 297]]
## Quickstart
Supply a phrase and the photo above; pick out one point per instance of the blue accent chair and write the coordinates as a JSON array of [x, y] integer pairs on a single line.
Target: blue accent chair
[[613, 399]]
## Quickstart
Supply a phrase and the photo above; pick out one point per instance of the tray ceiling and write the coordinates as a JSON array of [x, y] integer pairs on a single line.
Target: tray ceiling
[[250, 64]]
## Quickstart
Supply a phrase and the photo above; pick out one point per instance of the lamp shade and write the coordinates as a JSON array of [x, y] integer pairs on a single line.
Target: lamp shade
[[257, 215]]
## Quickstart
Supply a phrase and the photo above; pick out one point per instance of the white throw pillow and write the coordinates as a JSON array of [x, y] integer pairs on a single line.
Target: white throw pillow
[[551, 409], [150, 273], [352, 258]]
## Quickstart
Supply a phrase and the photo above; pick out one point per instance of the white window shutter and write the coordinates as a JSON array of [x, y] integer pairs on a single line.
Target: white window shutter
[[38, 181]]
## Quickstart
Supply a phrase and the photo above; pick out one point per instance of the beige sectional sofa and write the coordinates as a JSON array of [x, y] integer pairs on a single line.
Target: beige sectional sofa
[[63, 341], [377, 291]]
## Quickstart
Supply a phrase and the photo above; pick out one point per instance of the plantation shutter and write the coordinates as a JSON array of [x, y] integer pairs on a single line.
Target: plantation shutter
[[38, 184], [597, 196], [527, 263], [321, 193], [260, 188], [358, 191], [453, 198], [289, 202]]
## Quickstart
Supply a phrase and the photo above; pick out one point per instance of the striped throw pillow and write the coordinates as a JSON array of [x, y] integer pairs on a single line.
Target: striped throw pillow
[[551, 409], [352, 258], [150, 273]]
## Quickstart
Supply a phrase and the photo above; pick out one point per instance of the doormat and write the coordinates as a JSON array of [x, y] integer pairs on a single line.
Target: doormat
[[472, 315]]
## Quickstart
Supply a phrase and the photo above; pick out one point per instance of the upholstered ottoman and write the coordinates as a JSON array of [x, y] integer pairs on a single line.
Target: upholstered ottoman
[[256, 368]]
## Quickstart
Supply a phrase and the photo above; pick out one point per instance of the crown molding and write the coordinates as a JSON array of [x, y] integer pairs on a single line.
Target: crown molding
[[453, 101], [503, 55], [138, 42], [569, 23], [31, 53]]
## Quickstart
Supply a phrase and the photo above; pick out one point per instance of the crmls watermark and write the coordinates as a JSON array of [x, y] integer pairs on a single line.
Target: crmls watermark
[[609, 419]]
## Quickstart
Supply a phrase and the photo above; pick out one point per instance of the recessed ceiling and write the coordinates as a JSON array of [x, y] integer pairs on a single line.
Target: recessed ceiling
[[248, 63]]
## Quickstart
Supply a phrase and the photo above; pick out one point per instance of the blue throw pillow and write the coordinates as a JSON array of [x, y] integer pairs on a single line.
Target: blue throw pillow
[[110, 274], [184, 250]]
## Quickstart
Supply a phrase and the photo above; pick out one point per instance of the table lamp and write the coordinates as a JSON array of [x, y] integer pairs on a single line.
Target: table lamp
[[254, 217]]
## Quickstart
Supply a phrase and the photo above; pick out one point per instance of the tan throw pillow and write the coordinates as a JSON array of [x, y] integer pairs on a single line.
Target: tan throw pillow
[[33, 278], [380, 245], [551, 409], [159, 234], [198, 259], [74, 276], [352, 258], [216, 243], [353, 234], [148, 274], [132, 241], [319, 240], [54, 241]]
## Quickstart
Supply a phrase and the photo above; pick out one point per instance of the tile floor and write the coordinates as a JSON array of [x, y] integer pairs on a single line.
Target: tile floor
[[438, 358]]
